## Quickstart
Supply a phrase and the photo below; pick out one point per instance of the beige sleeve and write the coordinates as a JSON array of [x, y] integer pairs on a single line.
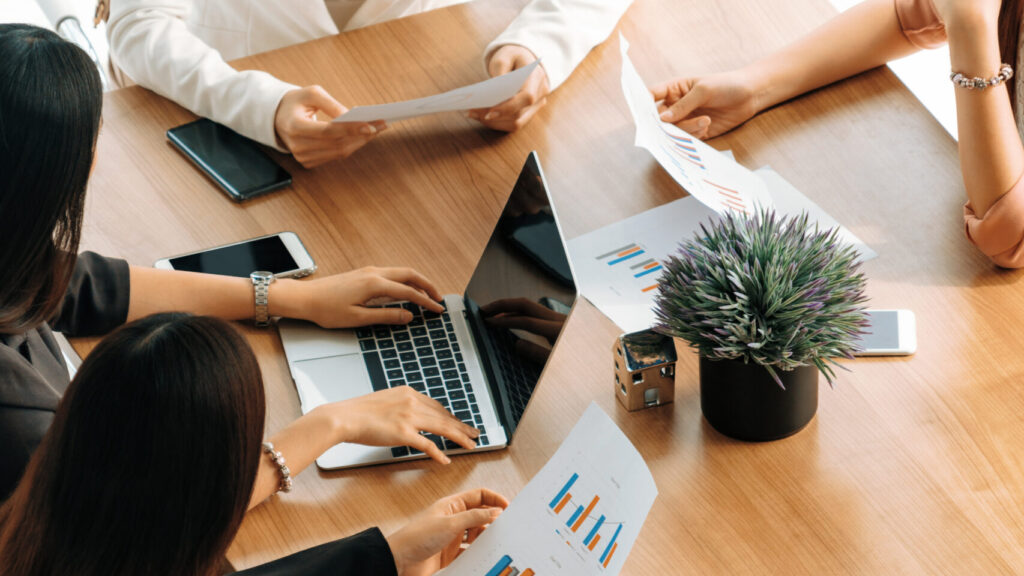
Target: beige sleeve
[[150, 42], [920, 23], [561, 32]]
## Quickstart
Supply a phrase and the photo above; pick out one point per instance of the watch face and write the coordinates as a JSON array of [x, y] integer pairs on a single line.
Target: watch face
[[262, 275]]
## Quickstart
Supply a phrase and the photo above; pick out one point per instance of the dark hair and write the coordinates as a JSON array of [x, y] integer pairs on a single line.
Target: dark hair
[[150, 463], [1009, 39], [50, 102]]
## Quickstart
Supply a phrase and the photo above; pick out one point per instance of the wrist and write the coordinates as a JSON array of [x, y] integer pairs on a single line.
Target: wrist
[[761, 85], [333, 422], [287, 299]]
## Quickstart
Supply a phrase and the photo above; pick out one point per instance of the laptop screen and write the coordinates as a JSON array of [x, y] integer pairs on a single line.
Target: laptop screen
[[520, 294]]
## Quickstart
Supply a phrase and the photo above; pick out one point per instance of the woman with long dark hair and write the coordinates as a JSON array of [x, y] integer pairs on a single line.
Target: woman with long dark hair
[[50, 104], [152, 460], [983, 38]]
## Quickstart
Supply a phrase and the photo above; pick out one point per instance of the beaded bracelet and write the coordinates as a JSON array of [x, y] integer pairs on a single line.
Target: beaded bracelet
[[1005, 73], [278, 460]]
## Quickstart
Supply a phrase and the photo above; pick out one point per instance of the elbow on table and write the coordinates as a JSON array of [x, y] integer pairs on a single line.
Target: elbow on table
[[1012, 258], [999, 232]]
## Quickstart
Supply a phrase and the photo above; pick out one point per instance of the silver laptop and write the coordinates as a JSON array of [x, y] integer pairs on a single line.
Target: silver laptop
[[477, 358]]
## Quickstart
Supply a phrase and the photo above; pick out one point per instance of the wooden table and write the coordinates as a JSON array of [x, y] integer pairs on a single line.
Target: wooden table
[[912, 465]]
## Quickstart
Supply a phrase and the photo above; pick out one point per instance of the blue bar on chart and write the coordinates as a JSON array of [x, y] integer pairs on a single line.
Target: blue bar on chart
[[647, 271], [505, 562], [563, 491], [632, 254], [593, 531], [611, 544], [574, 516]]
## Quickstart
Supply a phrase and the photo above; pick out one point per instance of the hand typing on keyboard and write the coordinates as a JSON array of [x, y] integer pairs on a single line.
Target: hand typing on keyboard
[[395, 417], [348, 300]]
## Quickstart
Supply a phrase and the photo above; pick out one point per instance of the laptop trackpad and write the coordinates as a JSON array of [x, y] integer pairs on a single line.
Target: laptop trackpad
[[323, 380]]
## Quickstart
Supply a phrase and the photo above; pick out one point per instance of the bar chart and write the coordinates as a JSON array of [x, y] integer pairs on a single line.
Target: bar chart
[[504, 567], [634, 259], [581, 514]]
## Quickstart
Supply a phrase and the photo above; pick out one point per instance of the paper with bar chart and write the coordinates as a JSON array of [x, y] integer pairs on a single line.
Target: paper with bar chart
[[579, 515], [618, 267], [716, 180]]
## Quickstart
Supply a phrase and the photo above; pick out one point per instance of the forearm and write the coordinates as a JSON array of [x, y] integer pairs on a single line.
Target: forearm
[[991, 154], [151, 43], [301, 443], [226, 297], [861, 38]]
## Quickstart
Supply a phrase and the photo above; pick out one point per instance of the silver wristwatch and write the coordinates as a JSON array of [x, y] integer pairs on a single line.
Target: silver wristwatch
[[261, 282]]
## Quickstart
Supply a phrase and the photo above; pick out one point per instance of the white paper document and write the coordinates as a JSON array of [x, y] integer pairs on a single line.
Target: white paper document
[[715, 180], [580, 515], [618, 266], [480, 95]]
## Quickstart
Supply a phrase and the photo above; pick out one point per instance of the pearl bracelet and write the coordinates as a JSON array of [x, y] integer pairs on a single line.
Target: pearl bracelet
[[1005, 73], [278, 460]]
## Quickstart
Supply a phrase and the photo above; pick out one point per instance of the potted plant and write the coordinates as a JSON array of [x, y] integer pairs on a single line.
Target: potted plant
[[767, 302]]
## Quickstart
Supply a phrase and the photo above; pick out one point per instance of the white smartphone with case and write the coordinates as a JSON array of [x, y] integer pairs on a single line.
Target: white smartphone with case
[[889, 333], [282, 254]]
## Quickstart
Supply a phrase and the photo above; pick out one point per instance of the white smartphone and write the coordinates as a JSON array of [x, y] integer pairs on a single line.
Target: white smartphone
[[281, 253], [889, 333]]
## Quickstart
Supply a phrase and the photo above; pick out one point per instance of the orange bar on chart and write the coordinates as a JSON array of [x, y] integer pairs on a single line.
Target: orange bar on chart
[[579, 521], [610, 554], [562, 504], [649, 288], [509, 569], [630, 251], [651, 265], [594, 542], [527, 572]]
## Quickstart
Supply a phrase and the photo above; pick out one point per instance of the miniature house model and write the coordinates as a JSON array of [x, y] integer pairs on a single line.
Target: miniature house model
[[645, 369]]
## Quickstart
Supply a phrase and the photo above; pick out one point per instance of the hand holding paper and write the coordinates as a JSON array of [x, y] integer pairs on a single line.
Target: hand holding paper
[[514, 113], [715, 180], [480, 95]]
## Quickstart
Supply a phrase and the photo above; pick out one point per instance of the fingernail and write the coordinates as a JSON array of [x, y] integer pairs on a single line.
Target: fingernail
[[368, 130], [492, 115], [447, 460], [476, 433], [666, 115], [495, 512], [704, 122]]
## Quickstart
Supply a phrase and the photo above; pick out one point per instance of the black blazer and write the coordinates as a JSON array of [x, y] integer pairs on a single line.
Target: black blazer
[[33, 375], [365, 553]]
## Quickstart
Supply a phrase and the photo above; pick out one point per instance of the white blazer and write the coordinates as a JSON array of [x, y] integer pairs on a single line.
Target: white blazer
[[178, 48]]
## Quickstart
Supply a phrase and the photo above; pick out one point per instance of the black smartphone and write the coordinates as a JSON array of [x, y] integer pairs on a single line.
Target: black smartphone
[[281, 254], [231, 160]]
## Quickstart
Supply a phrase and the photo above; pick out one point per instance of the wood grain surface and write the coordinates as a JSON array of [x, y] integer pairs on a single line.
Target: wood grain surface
[[912, 465]]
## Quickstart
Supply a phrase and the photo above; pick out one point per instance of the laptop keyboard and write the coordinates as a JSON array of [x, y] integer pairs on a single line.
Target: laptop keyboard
[[424, 355]]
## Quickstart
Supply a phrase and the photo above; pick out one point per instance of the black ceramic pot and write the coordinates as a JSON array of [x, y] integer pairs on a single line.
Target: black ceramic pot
[[742, 401]]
